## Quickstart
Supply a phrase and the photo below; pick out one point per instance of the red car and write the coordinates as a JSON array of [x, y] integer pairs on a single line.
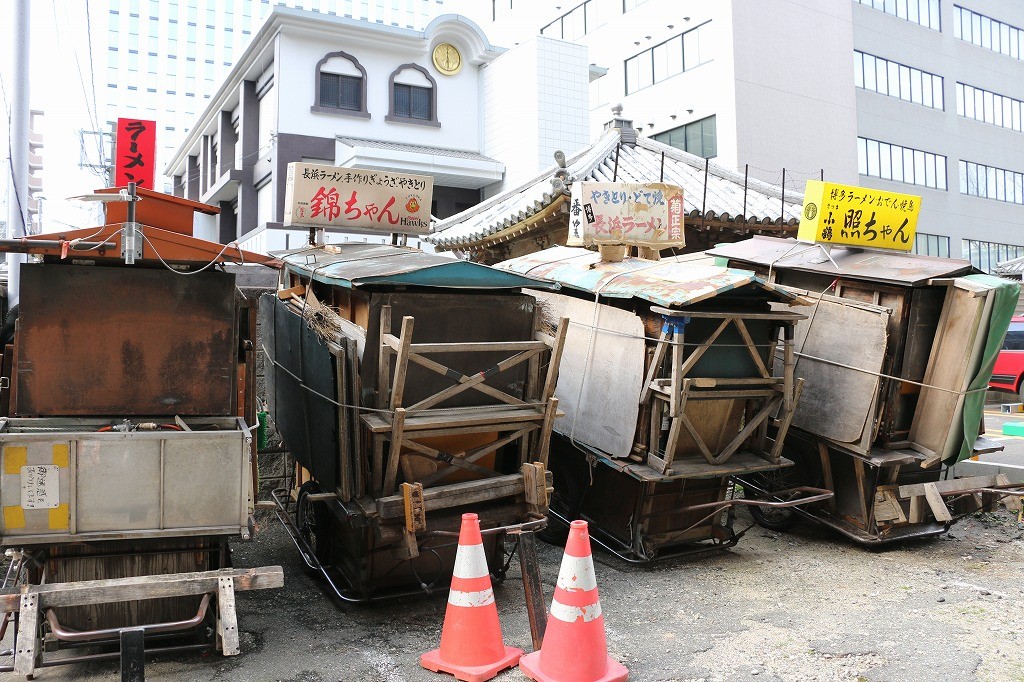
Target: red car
[[1009, 369]]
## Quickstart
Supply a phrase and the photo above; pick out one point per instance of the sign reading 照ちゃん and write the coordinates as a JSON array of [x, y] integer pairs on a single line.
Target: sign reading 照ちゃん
[[858, 216], [641, 214], [332, 196]]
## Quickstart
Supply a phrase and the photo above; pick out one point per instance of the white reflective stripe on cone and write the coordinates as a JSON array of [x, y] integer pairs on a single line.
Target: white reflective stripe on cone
[[471, 562], [577, 573], [571, 614], [471, 599]]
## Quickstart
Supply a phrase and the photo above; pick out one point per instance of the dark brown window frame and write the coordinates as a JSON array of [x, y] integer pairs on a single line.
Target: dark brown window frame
[[391, 117], [338, 111]]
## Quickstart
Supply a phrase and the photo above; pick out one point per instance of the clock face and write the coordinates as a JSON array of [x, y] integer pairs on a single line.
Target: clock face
[[447, 59]]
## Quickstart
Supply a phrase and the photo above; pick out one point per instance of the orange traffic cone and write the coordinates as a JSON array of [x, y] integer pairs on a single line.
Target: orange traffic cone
[[574, 648], [471, 645]]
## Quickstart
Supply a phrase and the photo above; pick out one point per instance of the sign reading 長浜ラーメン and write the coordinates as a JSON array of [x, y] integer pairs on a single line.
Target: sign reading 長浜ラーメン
[[332, 196], [649, 214], [858, 216]]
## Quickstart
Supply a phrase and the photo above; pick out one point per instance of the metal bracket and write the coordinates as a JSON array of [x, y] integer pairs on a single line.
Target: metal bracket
[[131, 242], [133, 655]]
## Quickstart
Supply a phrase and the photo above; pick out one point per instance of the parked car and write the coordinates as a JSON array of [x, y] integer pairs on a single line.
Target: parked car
[[1009, 369]]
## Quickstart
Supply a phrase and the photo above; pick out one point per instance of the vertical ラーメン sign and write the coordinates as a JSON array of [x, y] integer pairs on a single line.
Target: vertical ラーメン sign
[[135, 153], [332, 196], [640, 214]]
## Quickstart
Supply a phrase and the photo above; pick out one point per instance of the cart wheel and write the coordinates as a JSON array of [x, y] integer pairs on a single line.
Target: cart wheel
[[773, 518], [314, 522]]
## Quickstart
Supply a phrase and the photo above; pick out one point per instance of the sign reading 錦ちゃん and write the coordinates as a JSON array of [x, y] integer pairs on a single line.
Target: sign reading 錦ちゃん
[[641, 214], [332, 196]]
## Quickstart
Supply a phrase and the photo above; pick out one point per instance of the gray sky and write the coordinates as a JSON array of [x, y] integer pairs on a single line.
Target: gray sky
[[61, 86]]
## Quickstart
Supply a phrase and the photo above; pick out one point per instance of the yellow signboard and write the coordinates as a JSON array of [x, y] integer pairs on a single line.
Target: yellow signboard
[[858, 216]]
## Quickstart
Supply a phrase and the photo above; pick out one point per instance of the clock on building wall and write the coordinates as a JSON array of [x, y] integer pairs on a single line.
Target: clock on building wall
[[447, 59]]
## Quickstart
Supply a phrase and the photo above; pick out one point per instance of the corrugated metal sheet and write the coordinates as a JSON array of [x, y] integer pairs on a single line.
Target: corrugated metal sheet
[[666, 282], [354, 265], [1011, 268], [760, 204], [906, 269]]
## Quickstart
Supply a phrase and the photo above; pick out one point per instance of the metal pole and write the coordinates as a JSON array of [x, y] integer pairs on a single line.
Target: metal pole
[[746, 172], [615, 171], [823, 175], [17, 208], [782, 212], [704, 203], [661, 176]]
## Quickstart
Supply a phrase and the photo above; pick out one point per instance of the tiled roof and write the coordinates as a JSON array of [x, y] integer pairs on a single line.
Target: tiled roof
[[605, 160]]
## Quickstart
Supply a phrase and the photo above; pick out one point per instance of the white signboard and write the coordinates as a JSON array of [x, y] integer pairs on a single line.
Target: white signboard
[[649, 214], [332, 196], [40, 486]]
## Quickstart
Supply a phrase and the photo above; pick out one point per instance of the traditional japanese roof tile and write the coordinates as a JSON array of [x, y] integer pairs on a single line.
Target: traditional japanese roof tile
[[753, 205]]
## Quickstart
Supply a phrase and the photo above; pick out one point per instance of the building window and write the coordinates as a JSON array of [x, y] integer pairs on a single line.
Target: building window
[[988, 107], [340, 86], [986, 255], [699, 138], [581, 20], [413, 95], [988, 33], [931, 245], [979, 180], [900, 164], [896, 80], [923, 12], [674, 56]]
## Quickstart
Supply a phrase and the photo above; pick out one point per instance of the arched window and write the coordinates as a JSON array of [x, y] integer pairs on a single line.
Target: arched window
[[340, 86], [413, 96]]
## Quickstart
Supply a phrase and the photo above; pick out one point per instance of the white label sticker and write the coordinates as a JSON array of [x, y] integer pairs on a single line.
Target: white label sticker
[[40, 486]]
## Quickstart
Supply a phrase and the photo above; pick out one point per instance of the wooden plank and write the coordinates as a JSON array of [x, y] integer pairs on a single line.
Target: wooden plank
[[826, 471], [227, 619], [457, 494], [1011, 502], [713, 314], [478, 385], [652, 369], [447, 419], [401, 363], [415, 513], [702, 348], [555, 361], [862, 486], [286, 294], [748, 429], [786, 421], [544, 437], [752, 348], [468, 346], [345, 486], [352, 357], [950, 486], [383, 361], [533, 591], [395, 451], [28, 634], [535, 487], [916, 509], [936, 503], [955, 353], [79, 593]]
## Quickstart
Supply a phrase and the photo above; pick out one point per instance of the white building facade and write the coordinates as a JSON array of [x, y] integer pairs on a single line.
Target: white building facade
[[339, 91], [162, 60], [916, 96]]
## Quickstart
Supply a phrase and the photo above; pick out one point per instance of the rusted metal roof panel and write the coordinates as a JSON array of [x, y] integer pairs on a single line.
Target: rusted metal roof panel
[[905, 269], [666, 282], [354, 265]]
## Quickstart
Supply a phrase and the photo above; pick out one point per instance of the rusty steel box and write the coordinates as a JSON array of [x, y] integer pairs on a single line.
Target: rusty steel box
[[67, 480], [107, 340]]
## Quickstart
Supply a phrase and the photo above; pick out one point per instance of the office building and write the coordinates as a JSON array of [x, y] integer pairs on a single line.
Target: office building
[[914, 96]]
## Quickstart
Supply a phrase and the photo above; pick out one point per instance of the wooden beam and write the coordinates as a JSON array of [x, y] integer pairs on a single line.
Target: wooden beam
[[950, 486], [937, 504], [458, 494], [56, 595]]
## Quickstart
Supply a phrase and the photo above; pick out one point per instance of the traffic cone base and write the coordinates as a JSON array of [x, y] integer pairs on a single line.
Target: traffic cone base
[[432, 661], [574, 647], [530, 665], [471, 644]]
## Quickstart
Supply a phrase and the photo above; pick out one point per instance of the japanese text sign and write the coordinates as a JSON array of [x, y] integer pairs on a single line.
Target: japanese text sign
[[858, 216], [638, 214], [40, 486], [331, 196], [135, 153]]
